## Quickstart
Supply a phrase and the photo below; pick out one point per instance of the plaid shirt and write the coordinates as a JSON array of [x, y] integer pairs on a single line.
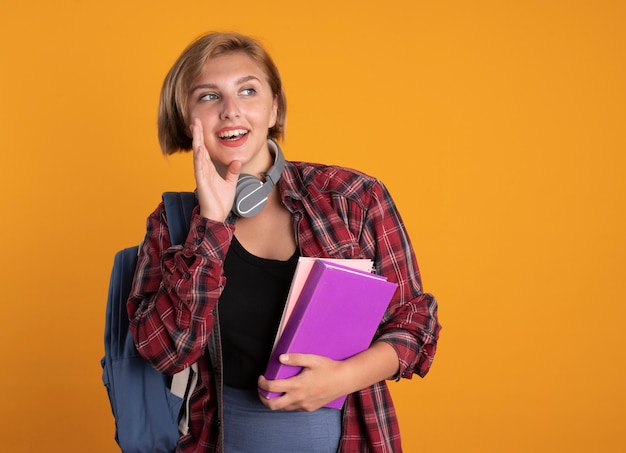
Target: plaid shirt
[[337, 213]]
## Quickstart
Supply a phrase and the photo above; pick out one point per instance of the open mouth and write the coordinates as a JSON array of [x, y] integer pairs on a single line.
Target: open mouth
[[233, 134]]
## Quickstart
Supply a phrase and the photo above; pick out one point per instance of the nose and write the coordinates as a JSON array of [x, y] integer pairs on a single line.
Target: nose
[[230, 108]]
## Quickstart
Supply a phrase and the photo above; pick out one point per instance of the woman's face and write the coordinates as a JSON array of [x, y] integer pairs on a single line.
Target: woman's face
[[236, 106]]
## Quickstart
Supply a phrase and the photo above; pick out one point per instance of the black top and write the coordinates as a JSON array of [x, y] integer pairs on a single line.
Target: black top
[[250, 309]]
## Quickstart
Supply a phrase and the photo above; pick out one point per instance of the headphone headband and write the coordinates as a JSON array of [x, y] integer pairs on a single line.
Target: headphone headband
[[274, 173]]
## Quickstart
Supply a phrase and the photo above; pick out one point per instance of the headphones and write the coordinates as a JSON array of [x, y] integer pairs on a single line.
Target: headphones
[[251, 193]]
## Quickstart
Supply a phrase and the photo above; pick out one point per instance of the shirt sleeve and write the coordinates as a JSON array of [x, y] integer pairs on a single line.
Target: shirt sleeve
[[410, 324], [175, 290]]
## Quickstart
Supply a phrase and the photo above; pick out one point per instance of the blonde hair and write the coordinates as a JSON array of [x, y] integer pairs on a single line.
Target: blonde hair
[[173, 121]]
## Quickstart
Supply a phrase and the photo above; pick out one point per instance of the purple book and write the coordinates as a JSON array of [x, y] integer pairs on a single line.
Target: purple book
[[336, 316]]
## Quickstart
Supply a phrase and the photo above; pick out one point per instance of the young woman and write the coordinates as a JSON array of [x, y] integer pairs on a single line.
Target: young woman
[[217, 299]]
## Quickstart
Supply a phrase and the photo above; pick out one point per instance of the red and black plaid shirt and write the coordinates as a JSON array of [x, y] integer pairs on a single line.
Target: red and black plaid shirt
[[337, 213]]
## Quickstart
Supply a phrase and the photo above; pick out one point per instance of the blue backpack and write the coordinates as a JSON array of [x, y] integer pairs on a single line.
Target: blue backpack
[[145, 403]]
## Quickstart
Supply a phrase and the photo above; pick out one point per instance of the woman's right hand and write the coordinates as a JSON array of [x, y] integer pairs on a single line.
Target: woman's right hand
[[216, 194]]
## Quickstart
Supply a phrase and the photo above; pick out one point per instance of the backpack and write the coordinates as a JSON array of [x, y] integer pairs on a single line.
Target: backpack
[[146, 404]]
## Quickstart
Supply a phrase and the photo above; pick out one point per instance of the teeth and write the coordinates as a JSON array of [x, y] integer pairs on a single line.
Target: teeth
[[232, 133]]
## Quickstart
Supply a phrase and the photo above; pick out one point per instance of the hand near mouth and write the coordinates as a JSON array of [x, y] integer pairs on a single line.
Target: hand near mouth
[[215, 193]]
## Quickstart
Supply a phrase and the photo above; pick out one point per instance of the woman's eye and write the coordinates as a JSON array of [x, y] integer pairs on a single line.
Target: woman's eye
[[248, 91], [209, 97]]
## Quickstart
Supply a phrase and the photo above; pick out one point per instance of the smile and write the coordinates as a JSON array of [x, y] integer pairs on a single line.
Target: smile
[[232, 134]]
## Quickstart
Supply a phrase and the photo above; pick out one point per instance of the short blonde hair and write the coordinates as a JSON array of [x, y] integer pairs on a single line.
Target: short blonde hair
[[173, 121]]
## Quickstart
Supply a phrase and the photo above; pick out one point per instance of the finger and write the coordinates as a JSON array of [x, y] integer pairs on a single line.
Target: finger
[[201, 159], [262, 383], [279, 386], [233, 171], [197, 134], [300, 360], [276, 387]]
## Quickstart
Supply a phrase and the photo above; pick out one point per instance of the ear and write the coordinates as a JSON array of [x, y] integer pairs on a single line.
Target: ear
[[274, 115]]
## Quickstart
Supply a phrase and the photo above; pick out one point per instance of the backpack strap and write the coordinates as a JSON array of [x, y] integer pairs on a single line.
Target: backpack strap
[[179, 207]]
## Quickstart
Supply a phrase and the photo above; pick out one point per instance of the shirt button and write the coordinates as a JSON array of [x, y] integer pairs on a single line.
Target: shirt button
[[201, 229], [198, 241], [187, 275]]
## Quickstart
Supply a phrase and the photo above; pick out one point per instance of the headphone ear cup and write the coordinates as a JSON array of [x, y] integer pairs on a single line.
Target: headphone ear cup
[[249, 200], [251, 193]]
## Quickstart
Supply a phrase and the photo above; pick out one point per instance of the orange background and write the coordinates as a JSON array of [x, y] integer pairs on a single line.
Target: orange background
[[497, 126]]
